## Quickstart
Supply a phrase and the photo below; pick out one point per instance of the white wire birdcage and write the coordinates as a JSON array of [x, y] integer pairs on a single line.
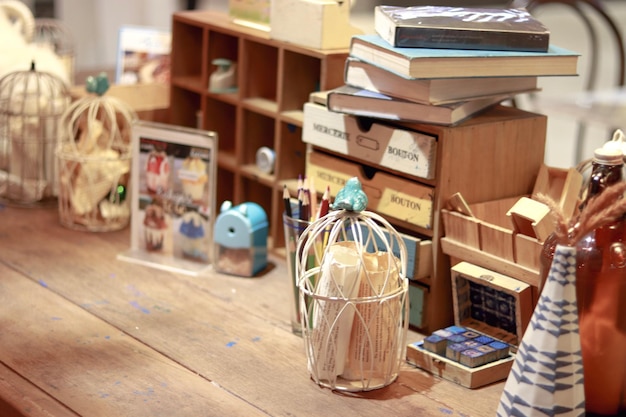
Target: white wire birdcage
[[54, 34], [351, 275], [31, 105], [94, 159]]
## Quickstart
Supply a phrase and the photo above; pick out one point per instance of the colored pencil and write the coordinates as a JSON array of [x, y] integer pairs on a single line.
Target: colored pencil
[[287, 201]]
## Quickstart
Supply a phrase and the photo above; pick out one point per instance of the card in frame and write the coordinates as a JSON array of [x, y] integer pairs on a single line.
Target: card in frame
[[173, 181]]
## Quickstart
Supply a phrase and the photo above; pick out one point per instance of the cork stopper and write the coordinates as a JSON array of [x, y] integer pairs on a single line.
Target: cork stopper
[[608, 156]]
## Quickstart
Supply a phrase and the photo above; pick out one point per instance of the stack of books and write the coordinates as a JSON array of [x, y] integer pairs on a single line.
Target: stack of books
[[442, 65]]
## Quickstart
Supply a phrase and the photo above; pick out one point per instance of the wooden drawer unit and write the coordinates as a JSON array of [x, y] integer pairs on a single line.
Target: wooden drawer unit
[[494, 155]]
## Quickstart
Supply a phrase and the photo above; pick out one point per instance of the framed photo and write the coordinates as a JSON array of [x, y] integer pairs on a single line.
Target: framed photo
[[173, 180], [143, 55]]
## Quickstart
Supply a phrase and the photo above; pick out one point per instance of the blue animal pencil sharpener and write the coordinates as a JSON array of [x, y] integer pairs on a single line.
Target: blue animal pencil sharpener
[[240, 239]]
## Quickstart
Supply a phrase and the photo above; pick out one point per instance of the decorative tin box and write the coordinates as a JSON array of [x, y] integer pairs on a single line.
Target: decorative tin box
[[241, 239], [487, 305]]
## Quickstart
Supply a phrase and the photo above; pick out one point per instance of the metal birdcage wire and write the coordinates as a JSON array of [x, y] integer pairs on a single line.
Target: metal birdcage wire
[[31, 105], [351, 274]]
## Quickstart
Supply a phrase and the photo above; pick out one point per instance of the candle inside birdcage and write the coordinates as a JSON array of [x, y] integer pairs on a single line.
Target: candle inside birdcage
[[353, 295]]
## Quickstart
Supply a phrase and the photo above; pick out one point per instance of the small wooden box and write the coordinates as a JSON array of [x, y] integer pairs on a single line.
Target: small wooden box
[[319, 24], [488, 303], [389, 195]]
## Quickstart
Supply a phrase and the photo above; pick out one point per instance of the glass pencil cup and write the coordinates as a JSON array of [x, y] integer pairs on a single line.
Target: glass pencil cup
[[353, 300], [293, 228]]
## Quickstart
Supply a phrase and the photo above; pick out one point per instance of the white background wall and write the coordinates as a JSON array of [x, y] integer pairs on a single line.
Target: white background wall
[[95, 24]]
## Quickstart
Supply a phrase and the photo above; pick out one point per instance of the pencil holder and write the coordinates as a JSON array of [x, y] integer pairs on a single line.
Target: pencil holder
[[353, 299]]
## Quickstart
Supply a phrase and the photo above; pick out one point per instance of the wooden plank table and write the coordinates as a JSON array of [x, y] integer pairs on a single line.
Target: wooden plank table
[[85, 334]]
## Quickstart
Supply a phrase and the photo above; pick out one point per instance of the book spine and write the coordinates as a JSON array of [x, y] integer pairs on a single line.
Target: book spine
[[409, 37]]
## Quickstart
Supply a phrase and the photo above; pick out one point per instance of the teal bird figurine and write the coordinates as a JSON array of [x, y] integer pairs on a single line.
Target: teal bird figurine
[[98, 84], [351, 197]]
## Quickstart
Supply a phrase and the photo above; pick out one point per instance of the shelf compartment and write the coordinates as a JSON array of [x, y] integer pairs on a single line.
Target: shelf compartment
[[295, 117], [259, 70], [184, 64], [261, 105], [189, 82], [256, 130], [185, 112], [220, 117], [291, 158], [304, 78], [225, 186], [258, 193], [252, 171], [222, 45]]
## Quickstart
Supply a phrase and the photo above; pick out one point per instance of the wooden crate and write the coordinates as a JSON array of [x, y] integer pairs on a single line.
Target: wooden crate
[[488, 303], [507, 235]]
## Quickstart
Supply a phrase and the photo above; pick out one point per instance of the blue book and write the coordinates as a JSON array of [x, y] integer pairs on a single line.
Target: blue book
[[434, 63]]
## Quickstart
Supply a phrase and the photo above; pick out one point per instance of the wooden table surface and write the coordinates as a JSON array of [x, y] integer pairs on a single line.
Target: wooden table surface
[[85, 334]]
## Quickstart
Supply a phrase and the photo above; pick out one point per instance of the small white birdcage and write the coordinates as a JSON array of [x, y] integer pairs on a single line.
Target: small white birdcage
[[351, 274], [94, 159], [31, 105]]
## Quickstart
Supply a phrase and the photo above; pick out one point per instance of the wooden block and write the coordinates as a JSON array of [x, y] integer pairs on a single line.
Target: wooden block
[[457, 203], [436, 344], [531, 218], [453, 351], [472, 358], [561, 185], [502, 349]]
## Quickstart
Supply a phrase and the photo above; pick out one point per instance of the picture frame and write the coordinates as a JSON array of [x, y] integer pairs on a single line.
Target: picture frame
[[143, 55], [173, 208]]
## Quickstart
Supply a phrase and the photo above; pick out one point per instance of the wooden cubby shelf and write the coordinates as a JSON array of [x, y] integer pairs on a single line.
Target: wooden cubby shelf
[[274, 78]]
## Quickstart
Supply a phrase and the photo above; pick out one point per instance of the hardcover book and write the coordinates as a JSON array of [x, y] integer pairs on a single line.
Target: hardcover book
[[432, 91], [507, 29], [359, 102], [457, 63]]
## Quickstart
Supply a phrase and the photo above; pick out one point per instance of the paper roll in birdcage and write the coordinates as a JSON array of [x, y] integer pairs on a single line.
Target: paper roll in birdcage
[[94, 157], [31, 105], [353, 298]]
